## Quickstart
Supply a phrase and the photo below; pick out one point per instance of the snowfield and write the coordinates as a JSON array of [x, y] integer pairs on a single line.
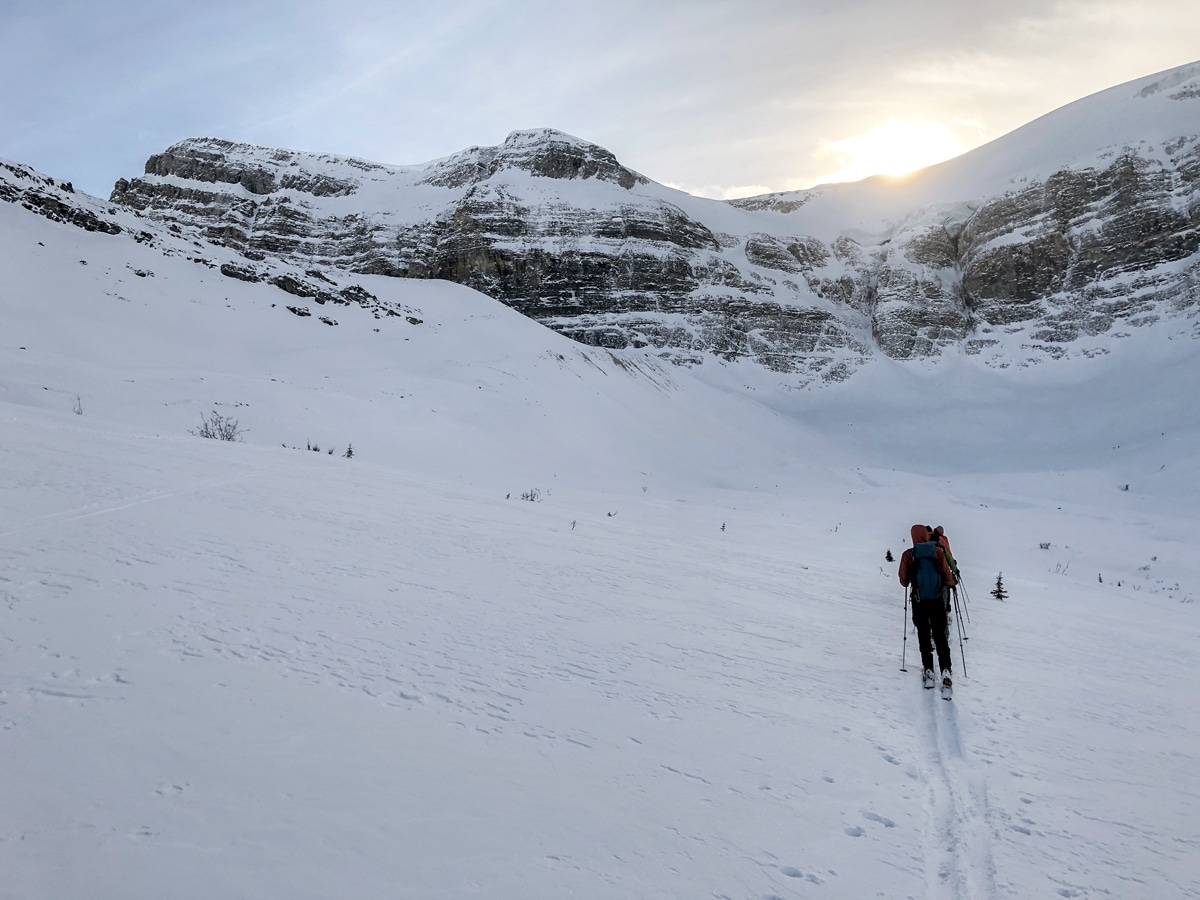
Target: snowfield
[[570, 624]]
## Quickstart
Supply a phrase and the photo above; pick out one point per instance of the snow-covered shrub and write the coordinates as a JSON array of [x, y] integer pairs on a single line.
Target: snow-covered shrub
[[219, 428]]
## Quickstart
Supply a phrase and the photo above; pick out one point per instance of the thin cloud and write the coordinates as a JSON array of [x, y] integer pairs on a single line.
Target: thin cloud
[[726, 97]]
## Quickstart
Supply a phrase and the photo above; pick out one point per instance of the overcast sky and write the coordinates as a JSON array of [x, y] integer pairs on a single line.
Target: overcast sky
[[718, 97]]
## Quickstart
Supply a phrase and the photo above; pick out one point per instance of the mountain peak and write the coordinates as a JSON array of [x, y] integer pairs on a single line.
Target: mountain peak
[[524, 137], [553, 154], [260, 170], [540, 152]]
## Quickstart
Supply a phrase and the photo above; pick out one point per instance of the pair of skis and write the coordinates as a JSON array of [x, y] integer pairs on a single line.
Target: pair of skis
[[928, 681]]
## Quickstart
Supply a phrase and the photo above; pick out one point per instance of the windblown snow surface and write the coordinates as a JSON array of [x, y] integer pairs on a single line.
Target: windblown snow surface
[[568, 624]]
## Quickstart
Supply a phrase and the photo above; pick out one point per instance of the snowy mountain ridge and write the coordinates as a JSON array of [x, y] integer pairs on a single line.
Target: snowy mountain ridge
[[1051, 241]]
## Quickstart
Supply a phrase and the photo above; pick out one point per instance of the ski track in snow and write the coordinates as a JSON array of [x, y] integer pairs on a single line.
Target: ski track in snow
[[958, 854], [87, 512]]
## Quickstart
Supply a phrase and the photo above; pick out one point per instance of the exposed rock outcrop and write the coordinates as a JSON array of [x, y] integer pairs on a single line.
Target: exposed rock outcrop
[[56, 201]]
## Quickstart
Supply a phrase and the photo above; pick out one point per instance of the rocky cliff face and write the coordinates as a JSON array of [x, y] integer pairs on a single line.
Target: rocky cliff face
[[548, 224], [557, 228], [1088, 250]]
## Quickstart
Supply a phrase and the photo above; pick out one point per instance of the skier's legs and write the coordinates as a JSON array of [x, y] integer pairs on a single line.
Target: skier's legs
[[920, 615], [941, 635]]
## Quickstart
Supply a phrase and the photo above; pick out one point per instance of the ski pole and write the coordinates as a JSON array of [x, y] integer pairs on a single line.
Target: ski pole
[[961, 651], [904, 649], [966, 596], [958, 615]]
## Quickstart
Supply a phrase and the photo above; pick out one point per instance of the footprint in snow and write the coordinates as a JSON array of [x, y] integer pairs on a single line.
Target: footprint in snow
[[793, 872]]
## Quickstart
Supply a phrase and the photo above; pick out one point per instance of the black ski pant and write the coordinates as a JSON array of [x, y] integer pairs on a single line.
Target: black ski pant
[[929, 617]]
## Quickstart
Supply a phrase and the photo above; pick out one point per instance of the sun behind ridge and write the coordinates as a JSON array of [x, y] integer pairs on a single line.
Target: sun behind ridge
[[894, 148]]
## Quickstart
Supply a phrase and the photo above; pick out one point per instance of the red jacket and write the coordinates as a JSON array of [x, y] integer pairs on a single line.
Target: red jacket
[[920, 534]]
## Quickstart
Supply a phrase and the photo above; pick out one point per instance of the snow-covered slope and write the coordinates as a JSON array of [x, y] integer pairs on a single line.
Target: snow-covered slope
[[247, 669]]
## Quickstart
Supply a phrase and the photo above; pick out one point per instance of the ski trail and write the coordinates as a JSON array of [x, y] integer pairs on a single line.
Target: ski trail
[[958, 853], [88, 512]]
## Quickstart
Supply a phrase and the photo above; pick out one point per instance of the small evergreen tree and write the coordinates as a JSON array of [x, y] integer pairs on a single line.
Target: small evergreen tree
[[349, 454], [889, 557], [998, 591]]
